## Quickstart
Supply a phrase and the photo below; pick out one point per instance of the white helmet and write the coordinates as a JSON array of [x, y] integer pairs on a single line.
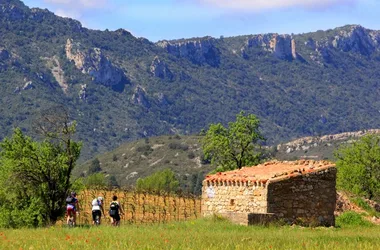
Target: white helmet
[[100, 198]]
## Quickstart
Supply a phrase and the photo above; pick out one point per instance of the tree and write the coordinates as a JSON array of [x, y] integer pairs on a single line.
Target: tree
[[97, 180], [358, 167], [160, 181], [38, 173], [196, 183], [235, 146], [94, 167], [112, 182]]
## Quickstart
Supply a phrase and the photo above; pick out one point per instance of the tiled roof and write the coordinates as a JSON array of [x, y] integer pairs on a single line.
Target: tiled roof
[[270, 171]]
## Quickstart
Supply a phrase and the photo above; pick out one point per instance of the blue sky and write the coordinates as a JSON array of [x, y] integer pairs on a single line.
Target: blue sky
[[174, 19]]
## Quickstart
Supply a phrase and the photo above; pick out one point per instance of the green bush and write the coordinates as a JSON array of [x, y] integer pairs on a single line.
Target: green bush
[[146, 149], [94, 167], [359, 167], [351, 218], [97, 180], [178, 145], [161, 181]]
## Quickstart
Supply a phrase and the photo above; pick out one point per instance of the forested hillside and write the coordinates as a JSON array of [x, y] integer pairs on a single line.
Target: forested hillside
[[121, 88]]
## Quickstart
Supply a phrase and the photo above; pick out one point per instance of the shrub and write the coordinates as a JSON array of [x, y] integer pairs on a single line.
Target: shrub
[[94, 167], [160, 181], [359, 167], [351, 218], [114, 157], [97, 180], [146, 149], [191, 155], [178, 145]]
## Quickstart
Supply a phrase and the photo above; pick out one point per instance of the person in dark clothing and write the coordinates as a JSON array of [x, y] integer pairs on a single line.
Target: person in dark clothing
[[115, 211]]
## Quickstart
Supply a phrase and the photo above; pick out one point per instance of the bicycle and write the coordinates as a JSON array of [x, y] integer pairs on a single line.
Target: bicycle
[[71, 222], [97, 220]]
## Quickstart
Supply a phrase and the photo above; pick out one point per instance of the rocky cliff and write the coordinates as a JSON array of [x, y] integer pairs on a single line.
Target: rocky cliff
[[319, 147], [352, 38], [181, 86], [160, 69], [199, 51], [94, 63], [282, 46]]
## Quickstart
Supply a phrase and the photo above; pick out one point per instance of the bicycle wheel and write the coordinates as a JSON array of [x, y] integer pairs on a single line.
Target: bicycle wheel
[[97, 220], [70, 222]]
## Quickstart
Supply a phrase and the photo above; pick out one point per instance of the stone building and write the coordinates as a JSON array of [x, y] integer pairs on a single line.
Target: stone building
[[301, 192]]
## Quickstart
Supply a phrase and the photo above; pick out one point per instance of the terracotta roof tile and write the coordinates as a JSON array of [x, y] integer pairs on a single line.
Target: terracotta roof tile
[[271, 170]]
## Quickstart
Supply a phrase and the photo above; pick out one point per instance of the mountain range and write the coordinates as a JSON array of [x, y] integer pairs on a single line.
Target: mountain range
[[121, 88]]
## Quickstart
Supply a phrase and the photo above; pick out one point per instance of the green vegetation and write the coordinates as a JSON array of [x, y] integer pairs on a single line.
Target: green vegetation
[[235, 146], [95, 181], [94, 167], [140, 158], [162, 181], [291, 98], [35, 176], [197, 234], [360, 202], [351, 218], [359, 167]]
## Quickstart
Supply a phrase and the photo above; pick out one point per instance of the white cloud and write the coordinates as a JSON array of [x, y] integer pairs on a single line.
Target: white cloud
[[77, 8], [259, 5], [68, 13], [79, 4]]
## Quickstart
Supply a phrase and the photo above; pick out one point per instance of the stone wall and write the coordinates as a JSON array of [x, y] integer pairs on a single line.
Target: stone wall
[[227, 197], [304, 199]]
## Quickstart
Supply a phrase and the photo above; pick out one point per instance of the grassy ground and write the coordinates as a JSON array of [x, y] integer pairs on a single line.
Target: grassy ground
[[197, 234]]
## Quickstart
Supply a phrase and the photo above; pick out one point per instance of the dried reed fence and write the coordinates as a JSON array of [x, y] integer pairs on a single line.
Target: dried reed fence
[[142, 207]]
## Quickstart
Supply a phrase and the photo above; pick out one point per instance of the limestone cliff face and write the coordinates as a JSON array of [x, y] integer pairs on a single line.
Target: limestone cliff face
[[306, 143], [94, 63], [160, 69], [139, 97], [282, 46], [56, 70], [352, 38], [357, 39], [199, 51]]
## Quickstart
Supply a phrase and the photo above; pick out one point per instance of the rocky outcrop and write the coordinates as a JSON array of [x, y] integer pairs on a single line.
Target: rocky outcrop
[[28, 85], [162, 100], [139, 97], [352, 38], [94, 63], [160, 69], [282, 46], [357, 39], [55, 67], [199, 51], [306, 143]]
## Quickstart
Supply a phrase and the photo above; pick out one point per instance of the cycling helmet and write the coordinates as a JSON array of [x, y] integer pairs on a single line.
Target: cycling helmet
[[73, 193], [100, 198]]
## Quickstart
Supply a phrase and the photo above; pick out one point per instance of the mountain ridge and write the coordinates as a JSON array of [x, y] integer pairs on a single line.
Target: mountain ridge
[[121, 88]]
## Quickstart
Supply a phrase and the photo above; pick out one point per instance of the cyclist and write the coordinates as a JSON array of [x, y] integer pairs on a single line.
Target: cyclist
[[72, 207], [115, 211], [97, 209]]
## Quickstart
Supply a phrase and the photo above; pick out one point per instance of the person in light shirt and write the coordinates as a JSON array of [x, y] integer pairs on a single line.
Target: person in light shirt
[[97, 209]]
